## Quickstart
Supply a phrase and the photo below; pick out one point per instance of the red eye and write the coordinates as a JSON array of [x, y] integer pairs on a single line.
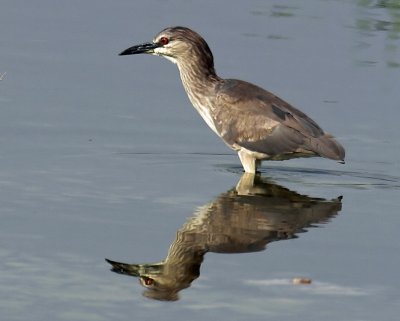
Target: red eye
[[164, 41], [148, 281]]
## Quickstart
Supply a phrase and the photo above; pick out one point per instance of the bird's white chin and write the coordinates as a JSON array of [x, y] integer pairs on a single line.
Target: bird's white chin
[[172, 59], [162, 52]]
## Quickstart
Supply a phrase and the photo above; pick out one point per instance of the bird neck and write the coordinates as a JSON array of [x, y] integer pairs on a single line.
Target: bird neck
[[199, 81], [198, 77]]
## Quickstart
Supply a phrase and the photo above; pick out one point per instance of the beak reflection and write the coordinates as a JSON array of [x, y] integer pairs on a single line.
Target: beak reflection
[[242, 220]]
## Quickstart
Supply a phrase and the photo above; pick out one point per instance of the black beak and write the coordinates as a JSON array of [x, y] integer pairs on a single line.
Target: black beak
[[147, 47]]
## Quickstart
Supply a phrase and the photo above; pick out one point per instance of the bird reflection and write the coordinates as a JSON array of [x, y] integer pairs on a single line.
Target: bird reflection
[[242, 220]]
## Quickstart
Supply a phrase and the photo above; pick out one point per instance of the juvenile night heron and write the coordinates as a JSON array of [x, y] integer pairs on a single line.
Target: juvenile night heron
[[252, 121]]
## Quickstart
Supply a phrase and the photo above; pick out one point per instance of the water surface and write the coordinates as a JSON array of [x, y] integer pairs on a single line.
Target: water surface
[[103, 157]]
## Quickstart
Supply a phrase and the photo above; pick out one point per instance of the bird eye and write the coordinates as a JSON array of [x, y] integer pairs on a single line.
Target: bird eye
[[147, 281], [164, 41]]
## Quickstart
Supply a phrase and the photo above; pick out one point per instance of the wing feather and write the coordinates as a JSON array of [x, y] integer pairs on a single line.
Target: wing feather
[[268, 124]]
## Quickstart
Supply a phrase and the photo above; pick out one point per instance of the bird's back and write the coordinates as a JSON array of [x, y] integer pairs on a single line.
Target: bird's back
[[253, 118]]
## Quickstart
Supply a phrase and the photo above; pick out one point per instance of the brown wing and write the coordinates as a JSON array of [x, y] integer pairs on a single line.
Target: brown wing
[[268, 124]]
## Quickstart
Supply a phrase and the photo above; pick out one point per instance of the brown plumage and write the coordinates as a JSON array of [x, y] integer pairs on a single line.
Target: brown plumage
[[252, 121], [244, 219]]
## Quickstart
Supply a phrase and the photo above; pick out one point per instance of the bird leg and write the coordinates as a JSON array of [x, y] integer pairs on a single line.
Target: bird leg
[[249, 162]]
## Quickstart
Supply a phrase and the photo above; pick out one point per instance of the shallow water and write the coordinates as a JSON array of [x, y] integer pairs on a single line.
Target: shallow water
[[103, 157]]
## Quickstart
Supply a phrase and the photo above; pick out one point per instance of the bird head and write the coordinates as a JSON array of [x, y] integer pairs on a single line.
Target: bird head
[[176, 44]]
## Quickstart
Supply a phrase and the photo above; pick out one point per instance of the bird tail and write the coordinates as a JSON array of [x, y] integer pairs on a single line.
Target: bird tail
[[326, 146]]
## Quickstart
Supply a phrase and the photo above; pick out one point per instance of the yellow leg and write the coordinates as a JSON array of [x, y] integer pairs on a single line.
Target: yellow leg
[[249, 162]]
